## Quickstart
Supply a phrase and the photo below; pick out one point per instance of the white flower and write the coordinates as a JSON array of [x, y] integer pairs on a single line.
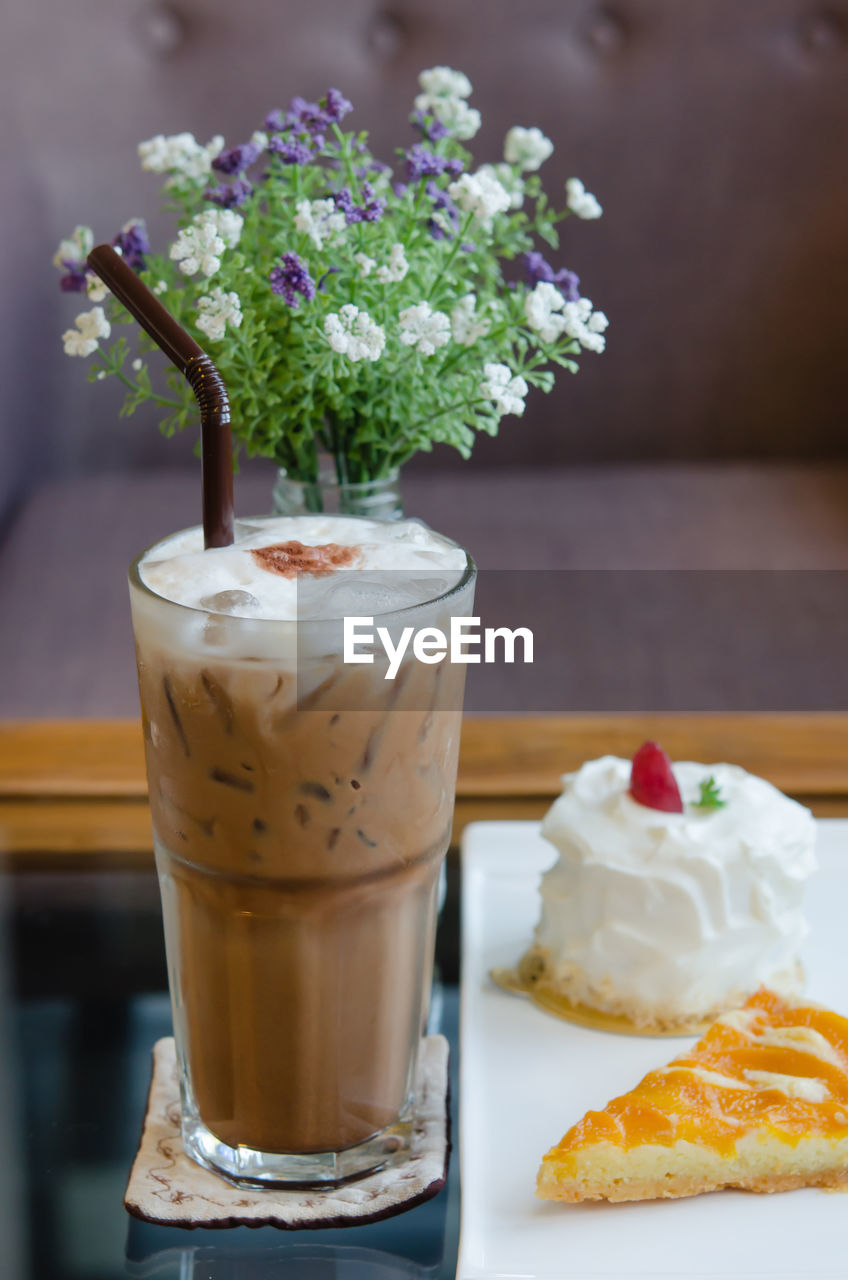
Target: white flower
[[424, 329], [259, 139], [320, 219], [96, 289], [198, 247], [542, 308], [137, 365], [480, 194], [354, 334], [508, 392], [76, 248], [444, 82], [581, 201], [391, 272], [160, 287], [90, 326], [444, 96], [155, 154], [466, 325], [528, 148], [216, 310], [396, 268], [181, 155], [512, 182], [549, 315], [226, 222], [584, 325], [460, 120]]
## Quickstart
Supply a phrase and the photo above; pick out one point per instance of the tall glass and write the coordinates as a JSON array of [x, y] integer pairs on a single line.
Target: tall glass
[[302, 808]]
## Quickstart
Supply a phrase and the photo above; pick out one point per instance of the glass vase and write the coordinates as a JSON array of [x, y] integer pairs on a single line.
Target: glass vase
[[376, 499]]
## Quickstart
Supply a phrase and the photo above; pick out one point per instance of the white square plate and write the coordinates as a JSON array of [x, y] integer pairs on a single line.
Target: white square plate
[[526, 1077]]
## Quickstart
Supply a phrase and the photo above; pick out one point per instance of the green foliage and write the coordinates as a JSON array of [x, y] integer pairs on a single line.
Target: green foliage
[[293, 396], [710, 797]]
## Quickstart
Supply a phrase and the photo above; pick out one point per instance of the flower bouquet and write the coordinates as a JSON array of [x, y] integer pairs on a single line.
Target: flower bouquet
[[354, 309]]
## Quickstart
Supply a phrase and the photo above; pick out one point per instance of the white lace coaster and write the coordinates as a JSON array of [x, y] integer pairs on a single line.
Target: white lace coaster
[[168, 1188]]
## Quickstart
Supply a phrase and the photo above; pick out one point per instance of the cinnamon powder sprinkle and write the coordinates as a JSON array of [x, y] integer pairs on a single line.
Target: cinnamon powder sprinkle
[[290, 558]]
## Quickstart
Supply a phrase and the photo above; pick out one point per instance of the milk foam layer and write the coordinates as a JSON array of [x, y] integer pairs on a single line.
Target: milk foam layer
[[180, 570], [665, 916]]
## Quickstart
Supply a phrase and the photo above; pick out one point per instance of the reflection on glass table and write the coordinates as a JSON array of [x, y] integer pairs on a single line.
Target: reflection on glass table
[[83, 997]]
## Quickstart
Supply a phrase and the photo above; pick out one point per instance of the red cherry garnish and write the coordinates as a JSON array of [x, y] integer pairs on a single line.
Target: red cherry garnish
[[652, 782]]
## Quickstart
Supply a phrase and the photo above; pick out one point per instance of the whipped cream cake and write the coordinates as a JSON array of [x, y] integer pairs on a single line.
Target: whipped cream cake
[[678, 891]]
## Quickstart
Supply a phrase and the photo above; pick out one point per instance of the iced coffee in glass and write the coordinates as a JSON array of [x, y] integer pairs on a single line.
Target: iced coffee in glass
[[302, 807]]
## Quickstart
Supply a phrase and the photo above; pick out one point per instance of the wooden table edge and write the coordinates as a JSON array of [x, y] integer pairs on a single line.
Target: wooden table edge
[[500, 755], [71, 788]]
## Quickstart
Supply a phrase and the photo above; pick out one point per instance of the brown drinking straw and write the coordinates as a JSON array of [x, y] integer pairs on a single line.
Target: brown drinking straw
[[201, 375]]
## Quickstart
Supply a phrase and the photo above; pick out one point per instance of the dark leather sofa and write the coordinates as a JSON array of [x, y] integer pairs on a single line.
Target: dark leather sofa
[[711, 435]]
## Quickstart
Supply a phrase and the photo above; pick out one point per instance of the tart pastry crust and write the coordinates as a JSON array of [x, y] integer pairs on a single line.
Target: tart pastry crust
[[760, 1103]]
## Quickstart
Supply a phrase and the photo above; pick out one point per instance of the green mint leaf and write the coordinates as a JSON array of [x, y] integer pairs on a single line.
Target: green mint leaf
[[711, 797]]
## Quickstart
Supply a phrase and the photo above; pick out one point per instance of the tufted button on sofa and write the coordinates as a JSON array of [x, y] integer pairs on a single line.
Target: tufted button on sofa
[[712, 433]]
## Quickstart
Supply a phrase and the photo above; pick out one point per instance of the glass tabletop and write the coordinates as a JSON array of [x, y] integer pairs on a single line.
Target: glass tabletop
[[83, 997]]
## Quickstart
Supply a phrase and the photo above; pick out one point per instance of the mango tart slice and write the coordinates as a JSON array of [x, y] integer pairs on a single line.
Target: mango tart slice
[[760, 1103]]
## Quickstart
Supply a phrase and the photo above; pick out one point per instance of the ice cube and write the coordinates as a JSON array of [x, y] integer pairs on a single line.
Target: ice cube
[[246, 529], [233, 601], [216, 631], [353, 593]]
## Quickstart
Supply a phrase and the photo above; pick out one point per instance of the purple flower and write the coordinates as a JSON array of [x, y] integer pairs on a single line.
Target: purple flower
[[229, 195], [400, 189], [374, 206], [312, 118], [133, 243], [345, 205], [373, 211], [443, 204], [370, 211], [291, 151], [275, 121], [429, 125], [568, 284], [538, 269], [423, 163], [237, 159], [307, 116], [76, 279], [336, 106], [291, 279]]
